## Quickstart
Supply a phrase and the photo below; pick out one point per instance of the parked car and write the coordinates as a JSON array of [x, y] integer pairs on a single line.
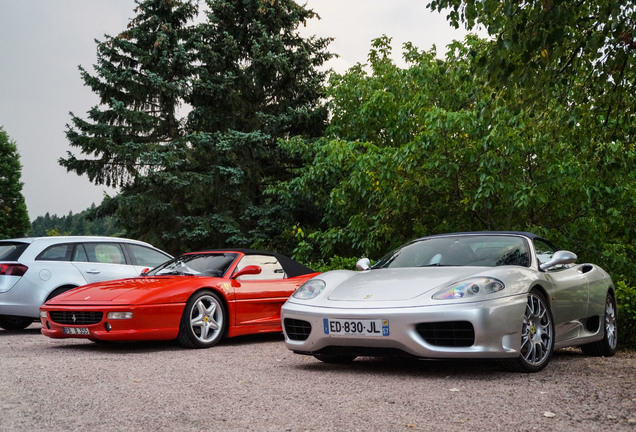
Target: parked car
[[197, 298], [498, 295], [34, 270]]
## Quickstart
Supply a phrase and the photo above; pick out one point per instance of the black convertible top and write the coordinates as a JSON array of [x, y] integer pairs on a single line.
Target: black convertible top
[[292, 268]]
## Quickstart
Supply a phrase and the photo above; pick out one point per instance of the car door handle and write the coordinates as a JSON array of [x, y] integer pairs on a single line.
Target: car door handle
[[92, 271]]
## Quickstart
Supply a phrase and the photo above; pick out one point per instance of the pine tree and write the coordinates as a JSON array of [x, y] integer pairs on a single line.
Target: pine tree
[[257, 80], [249, 78], [140, 79], [14, 219]]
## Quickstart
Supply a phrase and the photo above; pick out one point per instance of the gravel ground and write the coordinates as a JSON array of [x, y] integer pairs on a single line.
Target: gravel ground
[[255, 384]]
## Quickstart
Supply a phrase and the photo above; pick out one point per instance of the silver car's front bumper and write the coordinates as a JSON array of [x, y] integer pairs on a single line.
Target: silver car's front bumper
[[496, 323]]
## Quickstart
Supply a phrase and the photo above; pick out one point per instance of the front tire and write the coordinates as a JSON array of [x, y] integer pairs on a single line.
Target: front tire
[[14, 323], [537, 336], [606, 347], [203, 322]]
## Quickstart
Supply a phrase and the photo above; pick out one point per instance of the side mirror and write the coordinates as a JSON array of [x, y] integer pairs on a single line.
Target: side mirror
[[144, 271], [248, 270], [363, 264], [559, 258]]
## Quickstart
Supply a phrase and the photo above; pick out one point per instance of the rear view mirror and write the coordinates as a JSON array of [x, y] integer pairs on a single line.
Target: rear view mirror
[[363, 264], [559, 258]]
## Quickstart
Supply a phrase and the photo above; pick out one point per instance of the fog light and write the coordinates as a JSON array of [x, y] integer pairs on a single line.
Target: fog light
[[48, 325], [107, 327], [119, 315]]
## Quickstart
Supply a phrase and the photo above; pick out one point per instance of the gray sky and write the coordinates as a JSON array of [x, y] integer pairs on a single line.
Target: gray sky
[[42, 42]]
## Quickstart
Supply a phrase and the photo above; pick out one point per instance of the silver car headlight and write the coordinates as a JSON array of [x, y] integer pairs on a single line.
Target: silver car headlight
[[310, 289], [469, 288]]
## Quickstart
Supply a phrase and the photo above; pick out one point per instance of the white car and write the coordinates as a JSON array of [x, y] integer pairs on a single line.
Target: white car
[[510, 296], [34, 270]]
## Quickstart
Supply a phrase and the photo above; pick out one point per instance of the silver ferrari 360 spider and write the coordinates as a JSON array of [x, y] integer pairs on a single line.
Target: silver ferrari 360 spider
[[498, 295]]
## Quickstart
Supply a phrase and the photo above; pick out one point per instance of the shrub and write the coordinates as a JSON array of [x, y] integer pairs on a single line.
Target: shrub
[[626, 305], [334, 263]]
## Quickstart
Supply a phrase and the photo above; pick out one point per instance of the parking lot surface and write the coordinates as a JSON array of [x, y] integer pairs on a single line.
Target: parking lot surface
[[255, 384]]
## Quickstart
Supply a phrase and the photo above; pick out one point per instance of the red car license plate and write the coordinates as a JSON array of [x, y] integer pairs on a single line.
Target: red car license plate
[[75, 330]]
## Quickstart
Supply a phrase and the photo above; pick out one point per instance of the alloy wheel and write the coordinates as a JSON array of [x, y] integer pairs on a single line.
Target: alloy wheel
[[206, 319], [537, 336]]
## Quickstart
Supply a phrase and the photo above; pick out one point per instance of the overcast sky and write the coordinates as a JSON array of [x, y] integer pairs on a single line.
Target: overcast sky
[[42, 42]]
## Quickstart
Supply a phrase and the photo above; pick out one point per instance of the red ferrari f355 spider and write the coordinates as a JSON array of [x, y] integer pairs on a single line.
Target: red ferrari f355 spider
[[197, 298]]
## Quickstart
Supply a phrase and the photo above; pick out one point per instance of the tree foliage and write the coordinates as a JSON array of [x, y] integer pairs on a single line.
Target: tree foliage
[[247, 78], [574, 65], [423, 150], [140, 80], [14, 219], [82, 223], [581, 52]]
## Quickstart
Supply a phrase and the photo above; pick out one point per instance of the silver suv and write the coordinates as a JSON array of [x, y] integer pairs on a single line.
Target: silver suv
[[34, 270]]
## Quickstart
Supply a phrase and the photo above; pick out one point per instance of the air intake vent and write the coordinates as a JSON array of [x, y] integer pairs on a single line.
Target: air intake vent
[[448, 334], [76, 318], [297, 329]]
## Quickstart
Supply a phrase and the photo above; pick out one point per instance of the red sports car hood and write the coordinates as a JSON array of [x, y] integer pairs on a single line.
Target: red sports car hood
[[144, 289]]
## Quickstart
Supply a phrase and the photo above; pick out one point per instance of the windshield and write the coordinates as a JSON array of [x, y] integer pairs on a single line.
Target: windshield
[[196, 264], [461, 250]]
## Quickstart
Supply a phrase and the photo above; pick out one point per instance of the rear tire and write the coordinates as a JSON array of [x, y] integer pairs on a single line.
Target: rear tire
[[606, 347], [537, 336], [14, 323], [203, 322]]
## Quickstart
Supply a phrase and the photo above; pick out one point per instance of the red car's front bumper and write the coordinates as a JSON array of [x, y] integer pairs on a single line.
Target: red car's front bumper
[[148, 322]]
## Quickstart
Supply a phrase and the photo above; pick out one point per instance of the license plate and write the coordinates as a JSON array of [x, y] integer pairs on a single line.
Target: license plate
[[75, 330], [378, 327]]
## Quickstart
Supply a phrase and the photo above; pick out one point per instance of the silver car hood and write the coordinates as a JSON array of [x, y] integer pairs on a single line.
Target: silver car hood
[[397, 284]]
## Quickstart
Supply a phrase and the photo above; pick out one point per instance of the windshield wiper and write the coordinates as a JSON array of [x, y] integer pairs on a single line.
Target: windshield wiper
[[174, 273]]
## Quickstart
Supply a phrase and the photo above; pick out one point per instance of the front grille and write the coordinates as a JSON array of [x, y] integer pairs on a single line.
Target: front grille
[[448, 334], [297, 329], [76, 318]]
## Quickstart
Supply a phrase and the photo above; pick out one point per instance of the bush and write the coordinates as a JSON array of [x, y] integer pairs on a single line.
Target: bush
[[334, 263], [626, 305]]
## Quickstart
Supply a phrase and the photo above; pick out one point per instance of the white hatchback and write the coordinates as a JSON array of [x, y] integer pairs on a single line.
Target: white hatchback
[[36, 269]]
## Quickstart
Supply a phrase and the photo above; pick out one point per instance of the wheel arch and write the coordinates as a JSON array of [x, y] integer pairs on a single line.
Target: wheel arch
[[59, 290], [544, 292]]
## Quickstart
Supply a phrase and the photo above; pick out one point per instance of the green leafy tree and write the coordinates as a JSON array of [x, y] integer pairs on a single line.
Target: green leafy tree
[[399, 159], [422, 150], [578, 60], [14, 219], [577, 51]]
